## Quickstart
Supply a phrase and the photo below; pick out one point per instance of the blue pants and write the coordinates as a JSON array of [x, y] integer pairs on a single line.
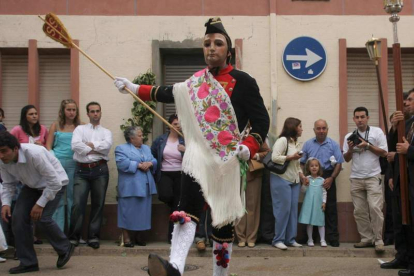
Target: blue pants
[[95, 181], [285, 198], [60, 216]]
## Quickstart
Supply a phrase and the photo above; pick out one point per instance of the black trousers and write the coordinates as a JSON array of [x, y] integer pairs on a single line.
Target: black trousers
[[169, 190], [388, 222], [192, 202], [267, 219], [23, 229], [403, 234], [331, 211]]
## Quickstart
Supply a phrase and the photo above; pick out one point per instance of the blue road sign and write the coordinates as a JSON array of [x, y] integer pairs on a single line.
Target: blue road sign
[[304, 58]]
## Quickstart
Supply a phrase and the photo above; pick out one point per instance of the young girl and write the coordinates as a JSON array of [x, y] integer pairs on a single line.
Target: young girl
[[313, 207]]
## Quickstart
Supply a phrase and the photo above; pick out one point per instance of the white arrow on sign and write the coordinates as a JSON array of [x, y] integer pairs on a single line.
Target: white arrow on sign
[[310, 58]]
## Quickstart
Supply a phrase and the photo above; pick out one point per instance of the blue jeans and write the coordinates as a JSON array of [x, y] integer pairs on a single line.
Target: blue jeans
[[61, 216], [94, 180], [285, 199]]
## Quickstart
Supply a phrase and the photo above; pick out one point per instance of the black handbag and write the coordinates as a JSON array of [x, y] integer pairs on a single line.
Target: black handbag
[[274, 167]]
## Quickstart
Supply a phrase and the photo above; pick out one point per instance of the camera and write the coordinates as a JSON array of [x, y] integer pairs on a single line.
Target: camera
[[354, 138]]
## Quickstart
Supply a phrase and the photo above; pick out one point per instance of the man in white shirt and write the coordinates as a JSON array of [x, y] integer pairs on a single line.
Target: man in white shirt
[[91, 144], [364, 147], [44, 181]]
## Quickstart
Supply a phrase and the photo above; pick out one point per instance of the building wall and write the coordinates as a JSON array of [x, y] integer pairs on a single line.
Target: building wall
[[122, 43]]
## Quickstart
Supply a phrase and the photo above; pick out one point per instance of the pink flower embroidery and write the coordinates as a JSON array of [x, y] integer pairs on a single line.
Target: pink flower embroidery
[[214, 92], [199, 73], [224, 138], [209, 136], [212, 114], [223, 106], [203, 91], [232, 127], [222, 154]]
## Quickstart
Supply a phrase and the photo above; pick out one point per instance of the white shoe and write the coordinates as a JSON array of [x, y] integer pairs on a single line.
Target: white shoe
[[311, 244], [323, 244], [2, 260], [280, 245], [295, 244]]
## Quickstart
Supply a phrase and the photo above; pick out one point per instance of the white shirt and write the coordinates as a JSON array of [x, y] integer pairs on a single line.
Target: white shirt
[[99, 136], [279, 156], [364, 162], [36, 168]]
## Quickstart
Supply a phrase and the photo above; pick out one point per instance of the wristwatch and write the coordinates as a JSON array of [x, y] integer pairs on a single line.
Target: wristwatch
[[367, 146]]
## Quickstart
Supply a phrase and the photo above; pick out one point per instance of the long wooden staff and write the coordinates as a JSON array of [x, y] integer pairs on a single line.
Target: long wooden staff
[[55, 29]]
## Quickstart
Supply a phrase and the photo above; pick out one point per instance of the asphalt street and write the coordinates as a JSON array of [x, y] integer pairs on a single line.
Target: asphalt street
[[246, 266]]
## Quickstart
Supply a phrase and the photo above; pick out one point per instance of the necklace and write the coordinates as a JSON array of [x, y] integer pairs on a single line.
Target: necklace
[[140, 151]]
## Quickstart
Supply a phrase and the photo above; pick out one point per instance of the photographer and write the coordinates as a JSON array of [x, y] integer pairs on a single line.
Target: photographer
[[364, 146]]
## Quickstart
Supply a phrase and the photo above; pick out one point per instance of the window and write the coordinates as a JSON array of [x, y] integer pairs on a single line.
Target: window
[[54, 84], [14, 76]]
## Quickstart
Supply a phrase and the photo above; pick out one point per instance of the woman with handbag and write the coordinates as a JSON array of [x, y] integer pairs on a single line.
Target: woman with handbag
[[284, 186], [246, 229]]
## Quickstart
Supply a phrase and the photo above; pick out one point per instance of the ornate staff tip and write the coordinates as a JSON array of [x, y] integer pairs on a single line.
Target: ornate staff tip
[[55, 29]]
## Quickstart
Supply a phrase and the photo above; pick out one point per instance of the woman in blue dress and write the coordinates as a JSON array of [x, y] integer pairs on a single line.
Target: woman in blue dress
[[313, 207], [136, 185], [59, 143]]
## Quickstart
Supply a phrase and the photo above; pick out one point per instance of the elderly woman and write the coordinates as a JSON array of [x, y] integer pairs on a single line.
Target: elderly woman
[[136, 184], [285, 187]]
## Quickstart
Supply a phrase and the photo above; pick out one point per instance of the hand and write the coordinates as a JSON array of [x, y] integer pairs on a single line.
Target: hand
[[181, 148], [37, 142], [243, 152], [396, 118], [391, 156], [294, 156], [36, 212], [350, 145], [6, 213], [144, 166], [402, 148], [363, 145], [327, 183], [121, 83], [391, 184], [90, 144], [304, 180], [323, 206]]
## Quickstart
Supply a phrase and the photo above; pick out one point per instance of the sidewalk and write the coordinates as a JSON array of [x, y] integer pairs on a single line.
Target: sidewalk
[[111, 248]]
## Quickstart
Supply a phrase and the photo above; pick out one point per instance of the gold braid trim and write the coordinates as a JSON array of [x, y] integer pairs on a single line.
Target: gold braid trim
[[222, 240], [257, 137], [153, 94], [193, 217]]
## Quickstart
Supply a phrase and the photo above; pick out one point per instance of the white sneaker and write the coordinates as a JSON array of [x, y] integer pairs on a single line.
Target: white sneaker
[[295, 244], [323, 244], [280, 245], [311, 244], [2, 260]]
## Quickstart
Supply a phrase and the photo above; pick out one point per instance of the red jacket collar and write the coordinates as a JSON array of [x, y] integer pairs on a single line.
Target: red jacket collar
[[226, 70]]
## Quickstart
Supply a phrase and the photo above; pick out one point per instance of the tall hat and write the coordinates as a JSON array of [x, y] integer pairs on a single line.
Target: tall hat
[[215, 26]]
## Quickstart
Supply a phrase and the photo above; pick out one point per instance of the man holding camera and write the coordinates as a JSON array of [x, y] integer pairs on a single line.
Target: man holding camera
[[364, 146]]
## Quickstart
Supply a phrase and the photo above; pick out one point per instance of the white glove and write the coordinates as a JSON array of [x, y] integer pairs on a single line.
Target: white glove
[[121, 83], [243, 152]]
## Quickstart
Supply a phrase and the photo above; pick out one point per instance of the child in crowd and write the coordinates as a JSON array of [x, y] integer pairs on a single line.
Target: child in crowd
[[313, 207]]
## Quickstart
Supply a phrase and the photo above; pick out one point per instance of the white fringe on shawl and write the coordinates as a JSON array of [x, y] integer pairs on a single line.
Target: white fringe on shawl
[[220, 183]]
